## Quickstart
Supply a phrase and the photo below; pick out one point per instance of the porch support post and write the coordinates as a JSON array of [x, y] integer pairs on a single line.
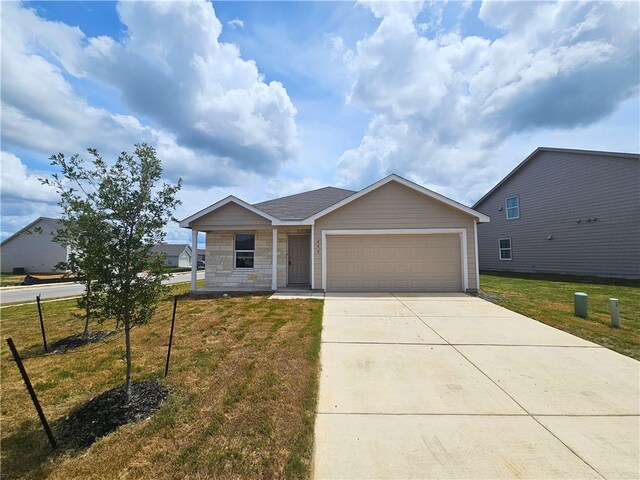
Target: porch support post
[[194, 259], [274, 261], [313, 259]]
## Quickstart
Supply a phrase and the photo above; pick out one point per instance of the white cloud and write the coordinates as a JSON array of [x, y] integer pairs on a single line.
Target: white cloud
[[442, 107], [17, 183], [209, 111], [196, 87], [236, 23], [22, 196], [337, 44]]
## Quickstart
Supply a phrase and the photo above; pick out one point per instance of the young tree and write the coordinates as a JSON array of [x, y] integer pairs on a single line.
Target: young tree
[[112, 215], [84, 232]]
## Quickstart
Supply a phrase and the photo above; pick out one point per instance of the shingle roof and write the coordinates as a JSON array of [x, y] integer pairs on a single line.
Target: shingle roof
[[303, 205], [169, 249]]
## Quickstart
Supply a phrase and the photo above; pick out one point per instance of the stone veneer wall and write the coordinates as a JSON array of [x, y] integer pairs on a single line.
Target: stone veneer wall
[[219, 271]]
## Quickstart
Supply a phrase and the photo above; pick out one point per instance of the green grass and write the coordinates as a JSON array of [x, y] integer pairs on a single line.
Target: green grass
[[243, 382], [549, 299], [176, 269]]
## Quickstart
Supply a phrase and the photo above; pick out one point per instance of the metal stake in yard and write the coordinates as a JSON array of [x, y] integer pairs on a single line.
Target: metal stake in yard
[[615, 313], [32, 393], [173, 321], [44, 336]]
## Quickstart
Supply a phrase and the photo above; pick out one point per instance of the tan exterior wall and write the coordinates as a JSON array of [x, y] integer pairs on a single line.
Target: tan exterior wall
[[230, 217], [394, 206]]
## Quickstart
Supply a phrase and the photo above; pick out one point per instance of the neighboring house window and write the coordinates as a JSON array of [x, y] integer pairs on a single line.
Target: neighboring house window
[[513, 208], [244, 250], [505, 248]]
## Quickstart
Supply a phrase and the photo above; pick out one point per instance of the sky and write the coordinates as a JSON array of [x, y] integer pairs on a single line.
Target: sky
[[265, 99]]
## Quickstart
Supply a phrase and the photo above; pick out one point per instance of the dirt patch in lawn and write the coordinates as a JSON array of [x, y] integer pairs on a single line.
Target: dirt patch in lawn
[[79, 340]]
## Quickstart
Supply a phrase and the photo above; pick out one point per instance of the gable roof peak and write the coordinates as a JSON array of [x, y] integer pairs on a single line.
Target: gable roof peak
[[482, 218], [55, 221], [539, 150]]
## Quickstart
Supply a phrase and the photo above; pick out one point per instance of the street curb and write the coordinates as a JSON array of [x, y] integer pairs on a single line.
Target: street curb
[[38, 285], [57, 284]]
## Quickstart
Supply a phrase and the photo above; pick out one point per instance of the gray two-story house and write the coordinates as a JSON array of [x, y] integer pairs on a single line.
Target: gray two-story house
[[565, 211]]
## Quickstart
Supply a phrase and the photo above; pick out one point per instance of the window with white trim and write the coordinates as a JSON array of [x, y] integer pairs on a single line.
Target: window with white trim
[[512, 205], [505, 248], [244, 250]]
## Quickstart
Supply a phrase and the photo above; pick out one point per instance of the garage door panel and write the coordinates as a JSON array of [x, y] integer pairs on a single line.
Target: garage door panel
[[394, 263]]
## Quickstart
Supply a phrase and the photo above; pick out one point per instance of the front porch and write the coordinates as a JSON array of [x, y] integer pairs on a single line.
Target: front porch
[[272, 259]]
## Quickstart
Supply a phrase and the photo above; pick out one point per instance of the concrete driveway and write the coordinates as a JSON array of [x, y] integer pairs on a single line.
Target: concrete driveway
[[451, 386]]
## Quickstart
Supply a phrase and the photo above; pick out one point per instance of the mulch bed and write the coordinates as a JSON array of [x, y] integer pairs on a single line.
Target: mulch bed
[[78, 340], [35, 280], [106, 412]]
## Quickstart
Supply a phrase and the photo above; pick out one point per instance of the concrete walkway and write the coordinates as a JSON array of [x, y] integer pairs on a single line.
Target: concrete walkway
[[451, 386]]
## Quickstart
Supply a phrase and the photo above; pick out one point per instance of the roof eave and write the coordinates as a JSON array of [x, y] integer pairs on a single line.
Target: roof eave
[[186, 223]]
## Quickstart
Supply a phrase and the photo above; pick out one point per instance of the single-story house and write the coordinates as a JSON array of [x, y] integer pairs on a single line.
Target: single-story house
[[565, 211], [175, 255], [32, 249], [393, 235]]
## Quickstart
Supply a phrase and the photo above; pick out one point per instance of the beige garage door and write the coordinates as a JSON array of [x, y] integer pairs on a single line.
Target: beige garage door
[[401, 263]]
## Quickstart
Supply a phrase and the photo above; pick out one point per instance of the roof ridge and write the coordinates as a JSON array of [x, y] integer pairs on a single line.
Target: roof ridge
[[588, 152], [305, 192]]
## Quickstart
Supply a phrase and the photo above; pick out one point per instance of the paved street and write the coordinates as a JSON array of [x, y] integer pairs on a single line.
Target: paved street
[[452, 386], [29, 293]]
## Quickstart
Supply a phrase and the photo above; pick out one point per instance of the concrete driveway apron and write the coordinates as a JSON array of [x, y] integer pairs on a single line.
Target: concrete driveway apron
[[452, 386]]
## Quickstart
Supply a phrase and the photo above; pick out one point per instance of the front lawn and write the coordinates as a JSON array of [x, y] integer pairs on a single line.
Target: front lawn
[[243, 382], [549, 299]]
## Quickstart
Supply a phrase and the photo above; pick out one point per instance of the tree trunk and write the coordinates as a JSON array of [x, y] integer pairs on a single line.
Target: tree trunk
[[127, 343], [86, 318]]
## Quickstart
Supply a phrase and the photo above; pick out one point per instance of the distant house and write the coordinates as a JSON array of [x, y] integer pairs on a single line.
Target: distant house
[[32, 249], [176, 255], [565, 211], [201, 254]]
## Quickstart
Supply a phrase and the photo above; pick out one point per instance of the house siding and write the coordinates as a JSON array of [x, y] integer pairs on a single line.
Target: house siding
[[394, 206], [230, 217], [556, 190], [35, 252]]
